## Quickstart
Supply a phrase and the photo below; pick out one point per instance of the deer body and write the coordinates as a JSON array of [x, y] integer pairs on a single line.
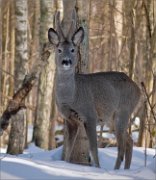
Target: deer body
[[106, 97], [108, 93]]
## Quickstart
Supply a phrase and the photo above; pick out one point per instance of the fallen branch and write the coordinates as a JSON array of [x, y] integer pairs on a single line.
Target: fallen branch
[[17, 102]]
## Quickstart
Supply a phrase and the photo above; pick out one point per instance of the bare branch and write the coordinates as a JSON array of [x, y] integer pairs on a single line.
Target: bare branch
[[151, 108]]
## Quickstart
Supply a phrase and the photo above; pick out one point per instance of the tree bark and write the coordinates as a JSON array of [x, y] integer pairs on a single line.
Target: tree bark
[[7, 46], [118, 23], [34, 51], [5, 57], [0, 54], [43, 119], [83, 20], [142, 116], [111, 41], [150, 45], [17, 134], [76, 146]]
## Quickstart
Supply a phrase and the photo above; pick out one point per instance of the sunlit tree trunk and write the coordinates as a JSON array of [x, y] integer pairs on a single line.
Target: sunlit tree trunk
[[6, 55], [111, 41], [34, 53], [76, 147], [17, 135], [0, 55], [118, 23], [12, 47], [138, 71], [5, 48], [43, 119]]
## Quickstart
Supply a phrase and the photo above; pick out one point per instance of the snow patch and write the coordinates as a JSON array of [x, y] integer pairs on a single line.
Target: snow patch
[[36, 163]]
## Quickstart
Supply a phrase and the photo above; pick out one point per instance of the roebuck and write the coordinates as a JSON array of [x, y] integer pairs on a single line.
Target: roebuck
[[105, 97]]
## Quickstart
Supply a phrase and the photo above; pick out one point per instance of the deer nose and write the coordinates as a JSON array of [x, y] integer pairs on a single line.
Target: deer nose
[[66, 62]]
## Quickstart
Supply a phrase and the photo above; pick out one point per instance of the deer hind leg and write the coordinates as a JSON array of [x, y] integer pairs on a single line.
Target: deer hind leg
[[128, 151], [121, 121], [120, 157]]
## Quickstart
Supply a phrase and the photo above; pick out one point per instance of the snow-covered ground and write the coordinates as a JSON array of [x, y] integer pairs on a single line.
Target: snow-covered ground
[[42, 165]]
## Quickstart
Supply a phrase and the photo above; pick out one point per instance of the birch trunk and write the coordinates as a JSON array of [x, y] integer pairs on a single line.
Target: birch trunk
[[43, 119], [17, 134]]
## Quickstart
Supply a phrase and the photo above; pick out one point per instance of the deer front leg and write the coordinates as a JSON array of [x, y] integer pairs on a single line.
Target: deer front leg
[[92, 137], [70, 133], [90, 127]]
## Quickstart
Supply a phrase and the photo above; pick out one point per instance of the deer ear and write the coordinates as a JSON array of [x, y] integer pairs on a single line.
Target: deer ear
[[78, 36], [53, 36]]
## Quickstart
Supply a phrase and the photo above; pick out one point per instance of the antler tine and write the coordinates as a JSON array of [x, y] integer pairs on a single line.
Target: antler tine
[[73, 25], [58, 25], [74, 16]]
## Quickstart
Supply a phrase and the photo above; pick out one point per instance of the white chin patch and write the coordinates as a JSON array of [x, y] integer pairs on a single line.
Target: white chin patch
[[66, 67]]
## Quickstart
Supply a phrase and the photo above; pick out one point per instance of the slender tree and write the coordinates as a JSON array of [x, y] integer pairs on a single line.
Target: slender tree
[[76, 147], [5, 48], [17, 134], [45, 101], [0, 54]]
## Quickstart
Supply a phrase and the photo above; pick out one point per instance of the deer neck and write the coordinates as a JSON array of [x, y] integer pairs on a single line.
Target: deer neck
[[65, 86]]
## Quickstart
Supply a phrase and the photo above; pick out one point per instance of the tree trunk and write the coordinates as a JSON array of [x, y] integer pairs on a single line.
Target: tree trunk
[[76, 146], [43, 119], [111, 41], [83, 20], [7, 42], [17, 133], [0, 55], [118, 23], [34, 51], [142, 116], [150, 45], [132, 47], [5, 57]]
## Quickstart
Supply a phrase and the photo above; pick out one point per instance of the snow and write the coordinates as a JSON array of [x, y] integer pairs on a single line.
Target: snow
[[30, 133], [39, 164]]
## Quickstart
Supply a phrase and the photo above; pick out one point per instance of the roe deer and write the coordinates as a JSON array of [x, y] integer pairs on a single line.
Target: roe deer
[[108, 97]]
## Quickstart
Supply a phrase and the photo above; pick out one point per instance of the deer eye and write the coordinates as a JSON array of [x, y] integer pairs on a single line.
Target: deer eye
[[72, 50], [59, 51]]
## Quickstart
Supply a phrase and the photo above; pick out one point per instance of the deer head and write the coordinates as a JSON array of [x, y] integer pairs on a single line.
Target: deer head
[[66, 47]]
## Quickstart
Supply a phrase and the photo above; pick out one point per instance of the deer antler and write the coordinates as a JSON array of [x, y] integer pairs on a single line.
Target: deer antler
[[58, 26], [73, 25]]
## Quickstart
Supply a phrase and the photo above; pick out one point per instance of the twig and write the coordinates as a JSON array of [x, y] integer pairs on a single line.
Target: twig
[[144, 88], [147, 18], [6, 72]]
